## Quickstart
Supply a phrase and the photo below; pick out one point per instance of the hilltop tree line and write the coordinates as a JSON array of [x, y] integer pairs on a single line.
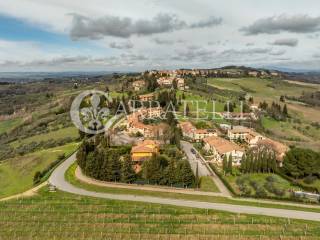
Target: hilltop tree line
[[275, 110], [312, 99]]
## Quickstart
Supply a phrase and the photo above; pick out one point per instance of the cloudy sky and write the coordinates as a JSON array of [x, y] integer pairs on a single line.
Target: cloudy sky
[[68, 35]]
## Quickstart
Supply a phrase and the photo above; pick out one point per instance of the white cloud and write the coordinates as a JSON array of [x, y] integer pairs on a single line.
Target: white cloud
[[190, 37]]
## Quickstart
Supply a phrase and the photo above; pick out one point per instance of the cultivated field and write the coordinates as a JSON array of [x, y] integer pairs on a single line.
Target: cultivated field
[[64, 216]]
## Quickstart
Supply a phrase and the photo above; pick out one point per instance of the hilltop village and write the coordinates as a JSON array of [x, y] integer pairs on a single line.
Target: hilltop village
[[175, 125]]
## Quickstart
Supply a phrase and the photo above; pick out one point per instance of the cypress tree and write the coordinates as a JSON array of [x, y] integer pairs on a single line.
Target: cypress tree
[[224, 164], [197, 179], [243, 166], [127, 173], [186, 174], [170, 173], [230, 165]]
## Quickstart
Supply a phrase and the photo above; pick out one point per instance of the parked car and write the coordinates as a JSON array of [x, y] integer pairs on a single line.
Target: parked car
[[193, 151]]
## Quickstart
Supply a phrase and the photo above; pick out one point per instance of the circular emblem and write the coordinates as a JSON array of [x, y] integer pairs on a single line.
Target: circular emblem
[[89, 111]]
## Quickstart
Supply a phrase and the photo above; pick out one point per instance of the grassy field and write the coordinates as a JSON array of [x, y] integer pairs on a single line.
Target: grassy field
[[70, 177], [207, 185], [64, 216], [206, 107], [292, 133], [54, 135], [16, 175], [8, 125], [297, 130], [262, 88]]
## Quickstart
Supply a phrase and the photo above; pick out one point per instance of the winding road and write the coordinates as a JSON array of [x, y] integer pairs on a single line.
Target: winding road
[[57, 179]]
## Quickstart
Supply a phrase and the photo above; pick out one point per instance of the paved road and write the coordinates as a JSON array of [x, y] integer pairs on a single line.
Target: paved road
[[122, 138], [57, 179], [203, 168], [194, 160]]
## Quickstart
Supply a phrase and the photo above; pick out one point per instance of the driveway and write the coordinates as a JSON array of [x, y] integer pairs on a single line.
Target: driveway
[[203, 167]]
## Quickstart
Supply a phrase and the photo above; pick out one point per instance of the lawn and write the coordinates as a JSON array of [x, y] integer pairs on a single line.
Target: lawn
[[205, 106], [71, 132], [16, 175], [207, 185], [8, 125], [61, 215], [293, 133], [70, 177]]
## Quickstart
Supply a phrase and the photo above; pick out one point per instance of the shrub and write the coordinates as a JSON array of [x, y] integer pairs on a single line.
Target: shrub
[[260, 192], [271, 179], [309, 179]]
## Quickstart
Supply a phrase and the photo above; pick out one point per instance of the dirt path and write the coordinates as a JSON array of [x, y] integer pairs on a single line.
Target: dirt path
[[28, 193]]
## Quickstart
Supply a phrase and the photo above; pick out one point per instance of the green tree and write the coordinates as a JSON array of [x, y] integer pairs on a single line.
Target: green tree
[[170, 173], [184, 173], [243, 166], [187, 110], [128, 175], [225, 164], [197, 179], [229, 169], [285, 110]]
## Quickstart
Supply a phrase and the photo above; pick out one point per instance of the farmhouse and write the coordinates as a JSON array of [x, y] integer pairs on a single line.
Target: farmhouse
[[146, 97], [168, 82], [142, 152], [220, 148], [191, 132], [134, 124], [279, 148], [252, 138], [246, 134], [239, 115], [238, 132], [253, 73], [138, 85]]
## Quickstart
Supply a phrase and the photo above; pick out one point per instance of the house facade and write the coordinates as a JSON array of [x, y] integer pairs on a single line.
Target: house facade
[[135, 124], [219, 148], [146, 97], [138, 85], [168, 82], [143, 151], [245, 134], [278, 148], [194, 134]]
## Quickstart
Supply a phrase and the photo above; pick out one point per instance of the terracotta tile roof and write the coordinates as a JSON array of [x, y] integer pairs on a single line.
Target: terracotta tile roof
[[148, 95], [201, 131], [143, 149], [222, 145], [240, 129], [187, 127], [278, 147]]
